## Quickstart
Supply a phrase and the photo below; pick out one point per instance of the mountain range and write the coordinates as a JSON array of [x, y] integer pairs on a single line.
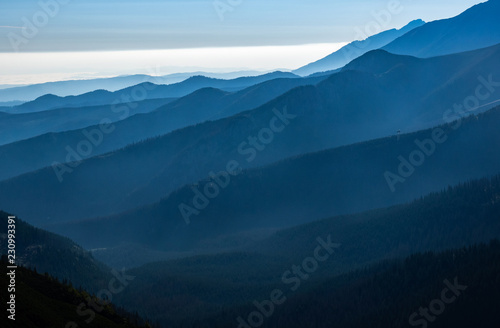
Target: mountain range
[[27, 93], [142, 91], [362, 102], [362, 190], [207, 103]]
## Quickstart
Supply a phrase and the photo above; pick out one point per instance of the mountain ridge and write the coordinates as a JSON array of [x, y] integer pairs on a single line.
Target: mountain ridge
[[356, 49], [475, 28]]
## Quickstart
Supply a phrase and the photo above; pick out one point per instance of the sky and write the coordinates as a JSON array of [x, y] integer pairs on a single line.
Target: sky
[[43, 40]]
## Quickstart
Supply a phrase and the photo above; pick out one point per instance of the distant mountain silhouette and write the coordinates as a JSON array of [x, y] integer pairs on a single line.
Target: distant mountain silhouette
[[143, 91], [5, 106], [355, 49], [76, 87], [477, 27], [15, 127]]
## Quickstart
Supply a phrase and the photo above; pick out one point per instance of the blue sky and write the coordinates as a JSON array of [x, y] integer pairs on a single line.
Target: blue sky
[[167, 24], [112, 25]]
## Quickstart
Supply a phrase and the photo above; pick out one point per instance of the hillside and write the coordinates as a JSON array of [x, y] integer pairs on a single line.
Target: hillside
[[42, 301], [390, 294], [57, 255]]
